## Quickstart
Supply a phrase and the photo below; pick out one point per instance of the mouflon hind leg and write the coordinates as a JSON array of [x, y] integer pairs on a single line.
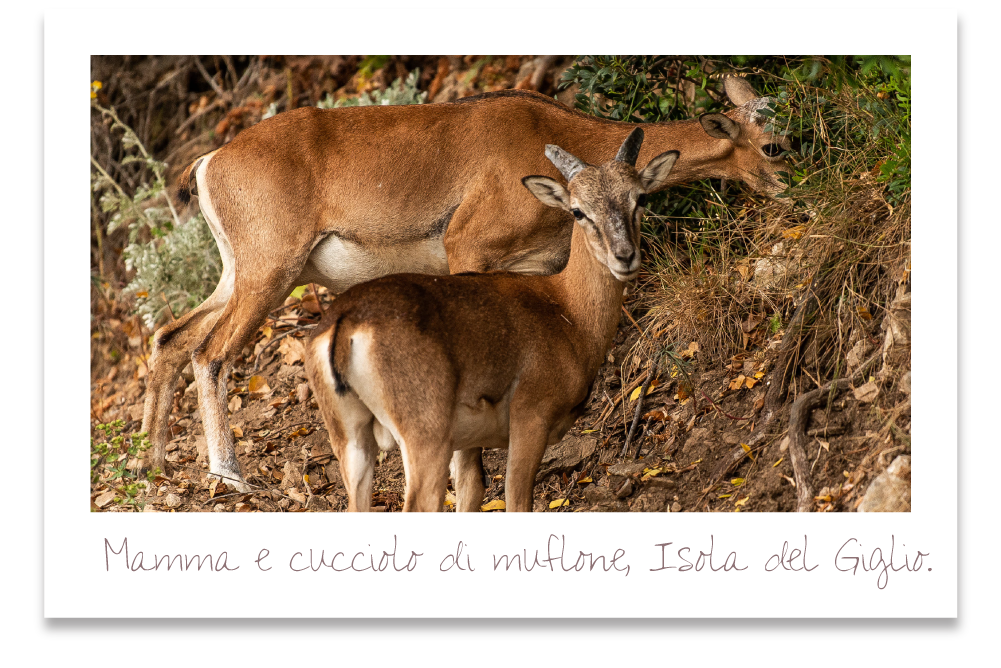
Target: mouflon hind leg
[[467, 477]]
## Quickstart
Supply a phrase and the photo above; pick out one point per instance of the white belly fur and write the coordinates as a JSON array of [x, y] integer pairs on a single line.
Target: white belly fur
[[338, 264]]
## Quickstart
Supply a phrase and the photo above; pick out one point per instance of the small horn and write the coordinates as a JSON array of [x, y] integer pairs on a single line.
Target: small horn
[[630, 149], [568, 164]]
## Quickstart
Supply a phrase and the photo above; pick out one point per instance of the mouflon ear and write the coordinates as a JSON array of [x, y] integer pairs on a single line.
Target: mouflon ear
[[656, 171], [548, 191], [719, 126], [630, 149], [568, 164], [738, 90]]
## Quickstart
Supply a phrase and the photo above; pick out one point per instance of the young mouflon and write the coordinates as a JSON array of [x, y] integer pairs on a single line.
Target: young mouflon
[[450, 364]]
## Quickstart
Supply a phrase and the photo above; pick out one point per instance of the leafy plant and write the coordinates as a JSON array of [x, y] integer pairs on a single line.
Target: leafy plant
[[398, 92], [113, 457], [176, 264]]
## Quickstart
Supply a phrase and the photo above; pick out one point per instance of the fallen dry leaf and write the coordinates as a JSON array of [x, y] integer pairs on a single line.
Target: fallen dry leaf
[[496, 504], [556, 504], [235, 403], [258, 385], [217, 487], [291, 350]]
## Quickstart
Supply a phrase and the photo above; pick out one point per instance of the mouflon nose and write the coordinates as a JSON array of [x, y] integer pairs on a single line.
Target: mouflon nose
[[626, 257]]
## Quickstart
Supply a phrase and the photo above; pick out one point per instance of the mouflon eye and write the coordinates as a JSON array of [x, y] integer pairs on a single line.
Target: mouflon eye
[[641, 200], [772, 150], [577, 213]]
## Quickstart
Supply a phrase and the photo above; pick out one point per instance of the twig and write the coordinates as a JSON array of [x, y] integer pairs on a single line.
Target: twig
[[639, 407], [210, 80], [319, 305], [170, 311], [632, 320]]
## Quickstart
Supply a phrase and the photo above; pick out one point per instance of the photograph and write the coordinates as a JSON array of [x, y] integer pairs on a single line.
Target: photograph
[[500, 283]]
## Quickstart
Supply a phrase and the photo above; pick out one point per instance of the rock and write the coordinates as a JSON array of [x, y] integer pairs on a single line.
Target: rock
[[302, 392], [135, 412], [629, 468], [566, 455], [318, 504], [296, 496], [601, 499], [150, 508], [771, 272], [105, 498], [201, 448], [897, 342], [650, 502], [660, 483], [189, 400], [235, 403], [696, 435], [905, 383], [867, 393], [292, 477], [172, 501], [625, 490], [288, 371], [675, 507], [857, 354], [890, 492], [219, 508]]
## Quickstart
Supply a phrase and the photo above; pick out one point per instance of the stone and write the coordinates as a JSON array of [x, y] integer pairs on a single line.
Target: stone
[[601, 499], [897, 342], [135, 412], [857, 354], [189, 400], [649, 502], [567, 455], [292, 477], [890, 492], [675, 507], [302, 392], [296, 496], [172, 501], [867, 393], [905, 383], [219, 508], [318, 504], [630, 468], [626, 489], [105, 498]]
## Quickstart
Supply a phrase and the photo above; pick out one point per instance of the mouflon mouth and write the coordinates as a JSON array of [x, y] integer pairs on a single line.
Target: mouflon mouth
[[627, 276]]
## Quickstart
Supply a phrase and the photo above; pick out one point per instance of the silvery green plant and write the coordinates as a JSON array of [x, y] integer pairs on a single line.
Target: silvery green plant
[[171, 259], [399, 92]]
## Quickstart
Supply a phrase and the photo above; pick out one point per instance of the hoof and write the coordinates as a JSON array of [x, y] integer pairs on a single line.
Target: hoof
[[232, 479]]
